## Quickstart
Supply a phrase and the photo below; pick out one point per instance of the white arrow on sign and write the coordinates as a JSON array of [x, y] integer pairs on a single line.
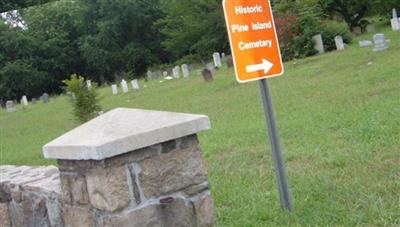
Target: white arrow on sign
[[265, 65]]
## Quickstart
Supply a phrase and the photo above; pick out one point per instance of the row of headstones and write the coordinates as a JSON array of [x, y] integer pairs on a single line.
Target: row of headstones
[[218, 59], [380, 41], [10, 105], [319, 43], [125, 87], [176, 73]]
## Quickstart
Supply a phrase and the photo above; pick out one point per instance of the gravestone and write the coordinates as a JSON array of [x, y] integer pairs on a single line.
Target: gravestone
[[176, 72], [357, 30], [45, 98], [318, 43], [185, 70], [207, 75], [158, 74], [34, 100], [114, 88], [165, 73], [135, 84], [229, 61], [2, 104], [395, 21], [10, 106], [89, 84], [370, 28], [124, 86], [223, 56], [365, 43], [380, 42], [149, 75], [339, 43], [217, 60], [24, 101]]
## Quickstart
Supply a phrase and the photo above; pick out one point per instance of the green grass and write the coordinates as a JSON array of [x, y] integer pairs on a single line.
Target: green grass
[[339, 121]]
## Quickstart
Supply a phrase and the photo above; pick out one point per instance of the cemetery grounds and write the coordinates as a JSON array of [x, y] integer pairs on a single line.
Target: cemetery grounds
[[339, 121]]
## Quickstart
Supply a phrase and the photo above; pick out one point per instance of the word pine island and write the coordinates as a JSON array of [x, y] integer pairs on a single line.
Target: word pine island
[[254, 43]]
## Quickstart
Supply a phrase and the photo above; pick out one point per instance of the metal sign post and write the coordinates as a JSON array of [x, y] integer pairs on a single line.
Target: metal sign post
[[275, 145], [256, 56]]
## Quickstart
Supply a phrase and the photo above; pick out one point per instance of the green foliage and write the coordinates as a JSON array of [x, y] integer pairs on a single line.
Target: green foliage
[[19, 78], [85, 100], [193, 27], [331, 29], [299, 44]]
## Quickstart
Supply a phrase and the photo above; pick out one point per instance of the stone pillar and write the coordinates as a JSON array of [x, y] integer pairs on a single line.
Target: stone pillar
[[133, 167]]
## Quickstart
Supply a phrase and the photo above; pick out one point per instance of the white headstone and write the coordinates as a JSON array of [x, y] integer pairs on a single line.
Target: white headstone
[[395, 21], [89, 84], [217, 60], [114, 88], [10, 106], [165, 73], [176, 72], [124, 86], [149, 75], [185, 70], [24, 101], [319, 44], [339, 42], [381, 43], [135, 84]]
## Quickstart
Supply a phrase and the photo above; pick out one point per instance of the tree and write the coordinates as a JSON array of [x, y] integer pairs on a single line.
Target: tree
[[120, 37], [8, 5], [84, 99], [193, 27], [352, 11]]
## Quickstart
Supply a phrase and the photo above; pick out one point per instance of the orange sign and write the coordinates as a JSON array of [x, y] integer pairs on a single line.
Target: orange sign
[[254, 43]]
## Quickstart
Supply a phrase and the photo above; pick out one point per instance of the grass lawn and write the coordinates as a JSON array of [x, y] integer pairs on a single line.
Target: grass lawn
[[339, 121]]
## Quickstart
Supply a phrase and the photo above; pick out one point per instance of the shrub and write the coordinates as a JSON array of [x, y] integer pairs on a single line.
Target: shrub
[[85, 101], [330, 30]]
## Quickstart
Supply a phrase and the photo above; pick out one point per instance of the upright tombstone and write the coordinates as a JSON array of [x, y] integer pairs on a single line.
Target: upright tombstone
[[185, 70], [217, 60], [89, 84], [34, 100], [223, 57], [165, 74], [124, 86], [45, 98], [207, 75], [24, 101], [357, 30], [229, 61], [158, 74], [10, 106], [176, 72], [339, 43], [135, 84], [2, 104], [370, 28], [114, 88], [134, 168], [318, 43], [149, 75], [395, 21], [380, 42]]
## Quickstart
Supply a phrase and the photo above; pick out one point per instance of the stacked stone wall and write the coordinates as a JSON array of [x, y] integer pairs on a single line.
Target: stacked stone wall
[[161, 185]]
